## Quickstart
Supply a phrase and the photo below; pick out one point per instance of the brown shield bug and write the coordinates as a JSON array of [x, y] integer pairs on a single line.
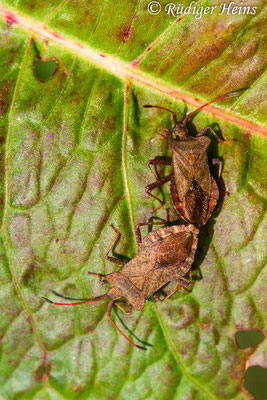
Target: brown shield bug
[[164, 255], [194, 191]]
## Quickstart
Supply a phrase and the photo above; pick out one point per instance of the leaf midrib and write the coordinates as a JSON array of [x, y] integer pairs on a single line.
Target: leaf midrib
[[126, 71]]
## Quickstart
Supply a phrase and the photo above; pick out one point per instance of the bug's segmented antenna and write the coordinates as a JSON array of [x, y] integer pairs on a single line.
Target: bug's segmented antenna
[[224, 96], [95, 299], [99, 298], [67, 297], [166, 109]]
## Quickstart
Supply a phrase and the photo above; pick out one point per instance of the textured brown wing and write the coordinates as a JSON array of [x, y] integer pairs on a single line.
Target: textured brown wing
[[189, 158], [174, 249], [193, 192]]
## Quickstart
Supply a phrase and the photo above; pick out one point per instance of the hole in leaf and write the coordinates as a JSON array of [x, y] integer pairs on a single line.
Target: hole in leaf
[[245, 339], [256, 382], [42, 372], [44, 70]]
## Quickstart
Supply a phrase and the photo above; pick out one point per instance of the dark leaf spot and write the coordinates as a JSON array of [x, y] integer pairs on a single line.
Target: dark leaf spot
[[11, 19], [42, 372], [169, 367]]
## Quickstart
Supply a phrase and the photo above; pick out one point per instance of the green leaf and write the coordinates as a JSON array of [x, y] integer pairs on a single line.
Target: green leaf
[[73, 160]]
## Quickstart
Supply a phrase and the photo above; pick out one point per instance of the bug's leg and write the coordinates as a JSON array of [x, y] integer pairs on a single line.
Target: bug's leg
[[111, 304], [180, 286], [158, 182], [167, 218], [220, 163], [167, 135], [127, 311], [155, 162], [216, 161], [137, 233], [190, 276], [137, 227], [188, 282], [209, 129], [154, 185], [157, 297], [100, 277], [115, 260], [183, 284], [160, 135]]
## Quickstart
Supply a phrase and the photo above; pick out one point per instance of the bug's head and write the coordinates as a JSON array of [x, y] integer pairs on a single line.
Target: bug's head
[[181, 131]]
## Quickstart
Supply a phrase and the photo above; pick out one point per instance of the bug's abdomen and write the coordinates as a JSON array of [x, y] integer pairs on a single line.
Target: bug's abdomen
[[197, 204], [195, 207]]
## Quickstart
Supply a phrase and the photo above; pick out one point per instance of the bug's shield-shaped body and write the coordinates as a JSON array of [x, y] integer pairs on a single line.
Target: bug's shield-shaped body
[[164, 255], [193, 189]]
